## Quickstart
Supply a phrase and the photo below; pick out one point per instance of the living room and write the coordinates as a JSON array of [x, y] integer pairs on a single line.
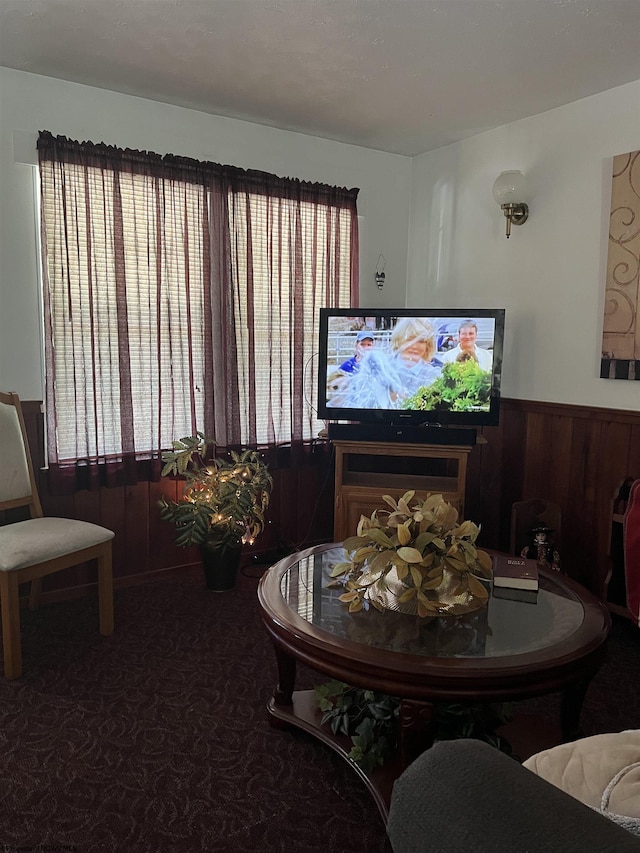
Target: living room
[[549, 276], [565, 434]]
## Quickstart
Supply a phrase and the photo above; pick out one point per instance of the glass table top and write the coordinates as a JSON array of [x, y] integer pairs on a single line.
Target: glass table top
[[505, 627]]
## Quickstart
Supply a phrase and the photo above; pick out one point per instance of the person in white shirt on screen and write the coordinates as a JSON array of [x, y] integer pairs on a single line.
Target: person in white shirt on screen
[[467, 348]]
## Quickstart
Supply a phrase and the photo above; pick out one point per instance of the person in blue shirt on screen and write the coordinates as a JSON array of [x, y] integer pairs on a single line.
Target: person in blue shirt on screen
[[364, 342]]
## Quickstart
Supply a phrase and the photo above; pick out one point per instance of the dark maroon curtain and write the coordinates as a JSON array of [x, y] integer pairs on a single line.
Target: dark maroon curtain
[[181, 296]]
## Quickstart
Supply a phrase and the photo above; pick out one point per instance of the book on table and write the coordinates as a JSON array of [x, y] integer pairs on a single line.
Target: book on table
[[529, 596], [515, 572]]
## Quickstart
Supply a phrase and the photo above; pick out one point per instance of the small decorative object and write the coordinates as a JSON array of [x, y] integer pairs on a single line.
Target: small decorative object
[[542, 549], [415, 558], [222, 505]]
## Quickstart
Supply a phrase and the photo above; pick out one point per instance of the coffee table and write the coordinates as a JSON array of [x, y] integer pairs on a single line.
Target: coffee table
[[508, 651]]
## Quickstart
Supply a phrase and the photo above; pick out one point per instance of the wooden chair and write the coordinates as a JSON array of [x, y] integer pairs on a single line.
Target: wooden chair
[[525, 515], [38, 546]]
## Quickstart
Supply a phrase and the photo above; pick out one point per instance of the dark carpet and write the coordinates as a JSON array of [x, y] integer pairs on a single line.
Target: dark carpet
[[157, 739]]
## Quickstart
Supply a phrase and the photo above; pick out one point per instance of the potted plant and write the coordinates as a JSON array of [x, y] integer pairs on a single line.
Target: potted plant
[[416, 558], [222, 504]]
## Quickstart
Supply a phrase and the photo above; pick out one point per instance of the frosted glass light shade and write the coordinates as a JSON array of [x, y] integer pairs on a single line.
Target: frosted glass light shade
[[509, 188]]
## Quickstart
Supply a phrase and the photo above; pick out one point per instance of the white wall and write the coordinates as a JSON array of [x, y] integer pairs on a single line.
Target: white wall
[[29, 103], [550, 274]]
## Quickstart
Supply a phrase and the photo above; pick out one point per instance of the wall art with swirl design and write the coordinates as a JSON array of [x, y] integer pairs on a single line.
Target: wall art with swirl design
[[621, 330]]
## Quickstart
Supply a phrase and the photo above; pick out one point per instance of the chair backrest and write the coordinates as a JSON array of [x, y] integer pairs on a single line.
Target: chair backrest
[[17, 481], [525, 515]]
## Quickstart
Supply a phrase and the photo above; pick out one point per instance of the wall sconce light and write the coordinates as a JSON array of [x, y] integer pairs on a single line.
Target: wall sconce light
[[380, 271], [508, 190]]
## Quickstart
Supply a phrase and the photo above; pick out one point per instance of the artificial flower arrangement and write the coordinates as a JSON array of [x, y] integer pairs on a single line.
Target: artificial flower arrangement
[[414, 557]]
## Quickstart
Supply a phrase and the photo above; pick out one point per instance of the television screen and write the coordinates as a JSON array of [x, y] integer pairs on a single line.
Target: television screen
[[413, 366]]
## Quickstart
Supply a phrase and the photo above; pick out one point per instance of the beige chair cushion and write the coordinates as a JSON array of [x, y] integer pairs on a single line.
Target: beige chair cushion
[[14, 471], [602, 771], [27, 543]]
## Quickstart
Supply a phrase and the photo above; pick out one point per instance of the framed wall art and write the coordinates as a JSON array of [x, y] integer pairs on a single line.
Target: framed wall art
[[621, 328]]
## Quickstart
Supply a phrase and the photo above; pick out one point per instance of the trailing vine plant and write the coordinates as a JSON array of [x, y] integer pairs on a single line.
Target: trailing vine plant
[[370, 719]]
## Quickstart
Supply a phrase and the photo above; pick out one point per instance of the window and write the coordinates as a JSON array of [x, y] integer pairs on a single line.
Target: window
[[182, 296], [283, 294]]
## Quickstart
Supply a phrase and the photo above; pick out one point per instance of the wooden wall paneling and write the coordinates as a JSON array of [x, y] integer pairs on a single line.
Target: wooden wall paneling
[[513, 424], [559, 472], [573, 455], [472, 503], [113, 513], [322, 528], [537, 450], [634, 451], [293, 516], [286, 523], [579, 506], [484, 486], [556, 485], [306, 486], [312, 496], [162, 552], [136, 536], [317, 494], [281, 515], [87, 506], [268, 539]]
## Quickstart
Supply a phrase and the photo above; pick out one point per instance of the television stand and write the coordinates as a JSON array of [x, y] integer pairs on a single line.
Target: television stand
[[366, 470]]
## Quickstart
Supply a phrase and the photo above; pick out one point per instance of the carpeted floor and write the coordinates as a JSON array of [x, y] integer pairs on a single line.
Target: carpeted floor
[[156, 739]]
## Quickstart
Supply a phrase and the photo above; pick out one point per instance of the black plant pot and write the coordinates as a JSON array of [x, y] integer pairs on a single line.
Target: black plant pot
[[220, 566]]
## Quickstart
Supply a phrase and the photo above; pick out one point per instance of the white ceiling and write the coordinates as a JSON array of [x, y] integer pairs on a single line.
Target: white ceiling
[[403, 76]]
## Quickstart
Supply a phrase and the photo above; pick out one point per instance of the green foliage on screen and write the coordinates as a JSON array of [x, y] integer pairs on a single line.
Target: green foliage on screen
[[462, 387]]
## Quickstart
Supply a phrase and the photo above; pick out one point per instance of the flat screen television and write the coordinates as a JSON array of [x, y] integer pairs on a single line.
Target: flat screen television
[[410, 366]]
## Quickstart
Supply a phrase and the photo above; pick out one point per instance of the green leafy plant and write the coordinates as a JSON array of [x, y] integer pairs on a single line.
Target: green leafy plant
[[223, 500], [370, 719], [462, 387], [477, 721], [416, 544]]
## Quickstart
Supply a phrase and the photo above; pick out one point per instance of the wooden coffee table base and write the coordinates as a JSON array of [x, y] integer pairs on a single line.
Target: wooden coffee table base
[[292, 595], [527, 734], [304, 714]]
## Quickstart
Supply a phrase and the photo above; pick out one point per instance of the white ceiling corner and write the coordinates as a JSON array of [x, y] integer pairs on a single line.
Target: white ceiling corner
[[403, 76]]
